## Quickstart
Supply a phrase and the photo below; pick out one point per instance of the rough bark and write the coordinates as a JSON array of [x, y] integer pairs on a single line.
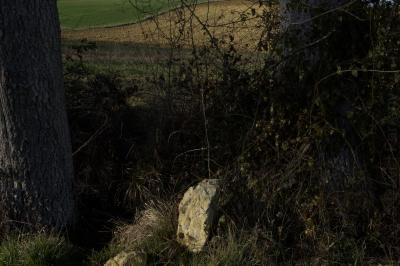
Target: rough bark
[[297, 24], [339, 164], [35, 154]]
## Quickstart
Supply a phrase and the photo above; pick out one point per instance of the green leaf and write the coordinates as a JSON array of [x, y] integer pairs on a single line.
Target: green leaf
[[339, 70]]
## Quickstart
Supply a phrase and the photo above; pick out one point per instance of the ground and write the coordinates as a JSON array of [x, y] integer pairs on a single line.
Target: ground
[[145, 47], [223, 18]]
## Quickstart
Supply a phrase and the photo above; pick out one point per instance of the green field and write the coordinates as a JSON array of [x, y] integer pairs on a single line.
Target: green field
[[96, 13]]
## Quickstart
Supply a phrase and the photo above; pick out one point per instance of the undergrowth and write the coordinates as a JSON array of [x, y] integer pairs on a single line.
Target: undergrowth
[[308, 162]]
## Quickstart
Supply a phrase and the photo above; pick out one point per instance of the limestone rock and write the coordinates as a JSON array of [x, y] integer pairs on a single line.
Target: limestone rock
[[126, 259], [197, 213]]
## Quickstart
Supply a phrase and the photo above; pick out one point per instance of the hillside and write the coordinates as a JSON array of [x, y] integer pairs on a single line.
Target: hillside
[[224, 19], [76, 14]]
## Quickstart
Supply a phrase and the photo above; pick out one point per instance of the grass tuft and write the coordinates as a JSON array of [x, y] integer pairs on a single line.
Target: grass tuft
[[36, 250]]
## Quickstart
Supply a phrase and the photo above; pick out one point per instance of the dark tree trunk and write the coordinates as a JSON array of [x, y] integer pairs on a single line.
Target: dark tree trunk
[[35, 153], [338, 164]]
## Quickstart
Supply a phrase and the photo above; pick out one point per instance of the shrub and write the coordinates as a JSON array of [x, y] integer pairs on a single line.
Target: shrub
[[310, 160]]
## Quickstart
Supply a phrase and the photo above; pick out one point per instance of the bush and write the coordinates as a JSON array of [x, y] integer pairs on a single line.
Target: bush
[[310, 161]]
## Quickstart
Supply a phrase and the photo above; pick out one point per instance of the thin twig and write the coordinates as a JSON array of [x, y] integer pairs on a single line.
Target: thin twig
[[95, 134]]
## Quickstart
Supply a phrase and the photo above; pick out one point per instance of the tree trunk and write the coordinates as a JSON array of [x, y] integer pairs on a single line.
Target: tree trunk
[[35, 153], [338, 164]]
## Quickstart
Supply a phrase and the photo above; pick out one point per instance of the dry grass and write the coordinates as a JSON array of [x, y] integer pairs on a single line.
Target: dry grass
[[156, 221], [237, 20]]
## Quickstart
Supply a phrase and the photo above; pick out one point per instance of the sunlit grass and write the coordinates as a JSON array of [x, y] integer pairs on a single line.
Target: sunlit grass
[[97, 13]]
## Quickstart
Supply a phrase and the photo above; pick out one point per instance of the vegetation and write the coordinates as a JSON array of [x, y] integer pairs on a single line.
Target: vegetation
[[34, 250], [153, 117], [98, 13], [223, 18]]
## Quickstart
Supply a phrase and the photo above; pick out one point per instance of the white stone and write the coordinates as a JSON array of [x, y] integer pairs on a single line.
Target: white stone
[[125, 259], [197, 213]]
